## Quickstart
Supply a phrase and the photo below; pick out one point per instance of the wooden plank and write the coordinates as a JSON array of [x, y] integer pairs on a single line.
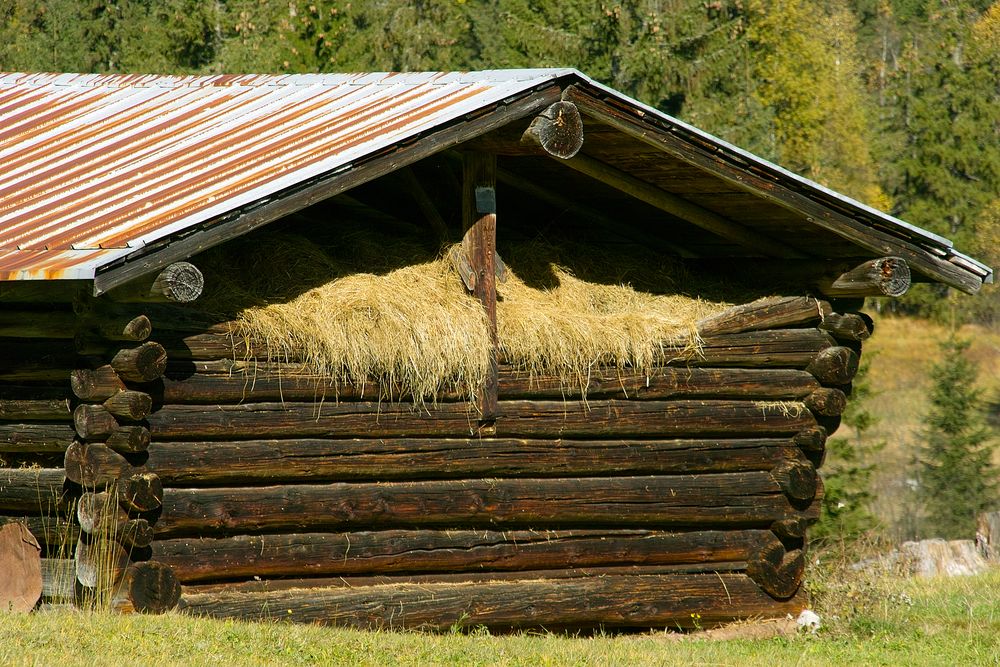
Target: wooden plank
[[411, 551], [745, 499], [611, 601], [768, 313], [202, 463], [542, 419]]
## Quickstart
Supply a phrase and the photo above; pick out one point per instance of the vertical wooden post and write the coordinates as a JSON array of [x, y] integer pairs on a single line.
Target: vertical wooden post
[[479, 220]]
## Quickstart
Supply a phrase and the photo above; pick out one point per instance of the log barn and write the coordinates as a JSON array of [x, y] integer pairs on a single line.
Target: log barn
[[501, 348]]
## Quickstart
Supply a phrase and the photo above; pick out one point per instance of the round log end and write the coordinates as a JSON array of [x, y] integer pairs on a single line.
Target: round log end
[[99, 563], [797, 479], [142, 364], [150, 588], [181, 282], [129, 439], [827, 402], [142, 492], [834, 366], [777, 572], [558, 130], [892, 276]]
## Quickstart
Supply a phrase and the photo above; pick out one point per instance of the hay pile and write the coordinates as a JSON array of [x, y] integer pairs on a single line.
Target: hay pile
[[383, 308]]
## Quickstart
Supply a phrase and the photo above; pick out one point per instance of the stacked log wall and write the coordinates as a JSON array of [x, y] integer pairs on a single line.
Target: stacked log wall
[[699, 475]]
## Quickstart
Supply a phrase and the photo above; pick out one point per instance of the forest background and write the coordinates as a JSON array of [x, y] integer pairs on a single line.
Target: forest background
[[893, 102]]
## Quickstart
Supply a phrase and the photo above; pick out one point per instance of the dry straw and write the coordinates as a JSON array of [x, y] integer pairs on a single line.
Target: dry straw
[[384, 308]]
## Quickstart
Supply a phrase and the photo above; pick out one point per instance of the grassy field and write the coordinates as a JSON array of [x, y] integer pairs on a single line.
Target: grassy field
[[901, 353], [868, 620]]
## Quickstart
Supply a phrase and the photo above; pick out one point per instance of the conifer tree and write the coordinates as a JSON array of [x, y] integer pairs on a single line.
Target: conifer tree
[[956, 477]]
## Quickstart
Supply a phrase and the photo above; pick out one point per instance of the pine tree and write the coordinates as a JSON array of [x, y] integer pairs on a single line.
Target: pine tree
[[956, 477], [848, 470]]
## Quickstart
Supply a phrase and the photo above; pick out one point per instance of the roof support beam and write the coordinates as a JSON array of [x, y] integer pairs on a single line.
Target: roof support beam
[[733, 170], [680, 207]]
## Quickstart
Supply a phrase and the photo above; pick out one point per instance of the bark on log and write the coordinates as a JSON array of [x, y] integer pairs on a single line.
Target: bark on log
[[129, 405], [303, 460], [776, 571], [886, 276], [93, 465], [25, 438], [613, 601], [93, 422], [180, 282], [835, 366], [744, 499], [97, 384], [827, 401], [141, 364], [35, 409], [31, 490], [148, 587], [545, 419], [410, 551], [100, 563], [854, 327], [558, 130], [227, 381], [21, 565], [768, 313]]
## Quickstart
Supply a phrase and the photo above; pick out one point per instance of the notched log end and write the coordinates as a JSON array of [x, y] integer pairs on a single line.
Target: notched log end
[[558, 130]]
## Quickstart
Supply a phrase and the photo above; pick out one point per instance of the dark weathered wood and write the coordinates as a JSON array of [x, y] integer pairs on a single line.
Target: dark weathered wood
[[768, 313], [93, 464], [679, 207], [227, 381], [140, 492], [55, 531], [141, 364], [96, 384], [777, 571], [129, 439], [854, 327], [25, 360], [37, 324], [835, 366], [136, 328], [129, 405], [242, 462], [30, 408], [362, 171], [479, 246], [21, 568], [732, 170], [745, 499], [827, 401], [886, 276], [31, 490], [558, 130], [611, 601], [100, 563], [35, 437], [796, 478], [404, 551], [794, 527], [811, 439], [93, 422], [545, 419], [147, 587], [180, 282], [99, 513]]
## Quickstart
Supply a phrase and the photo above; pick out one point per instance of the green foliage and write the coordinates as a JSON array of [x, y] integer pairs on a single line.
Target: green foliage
[[848, 470], [956, 478]]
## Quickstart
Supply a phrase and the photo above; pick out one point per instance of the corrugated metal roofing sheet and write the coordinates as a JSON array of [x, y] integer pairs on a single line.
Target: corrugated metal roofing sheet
[[96, 166]]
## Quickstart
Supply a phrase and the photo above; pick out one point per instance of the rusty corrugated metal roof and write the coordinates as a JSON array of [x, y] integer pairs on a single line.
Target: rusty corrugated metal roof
[[96, 166]]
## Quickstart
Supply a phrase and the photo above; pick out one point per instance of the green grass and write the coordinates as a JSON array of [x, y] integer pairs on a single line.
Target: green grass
[[868, 621]]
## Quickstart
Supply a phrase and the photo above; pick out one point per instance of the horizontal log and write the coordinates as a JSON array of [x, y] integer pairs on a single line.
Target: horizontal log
[[93, 465], [136, 329], [403, 551], [744, 499], [777, 571], [180, 282], [59, 580], [591, 602], [129, 405], [23, 360], [140, 492], [100, 563], [835, 366], [227, 381], [35, 409], [31, 490], [827, 402], [885, 276], [55, 531], [242, 462], [767, 313], [129, 439], [35, 437], [98, 384], [776, 348], [549, 419], [147, 587], [38, 323], [141, 364]]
